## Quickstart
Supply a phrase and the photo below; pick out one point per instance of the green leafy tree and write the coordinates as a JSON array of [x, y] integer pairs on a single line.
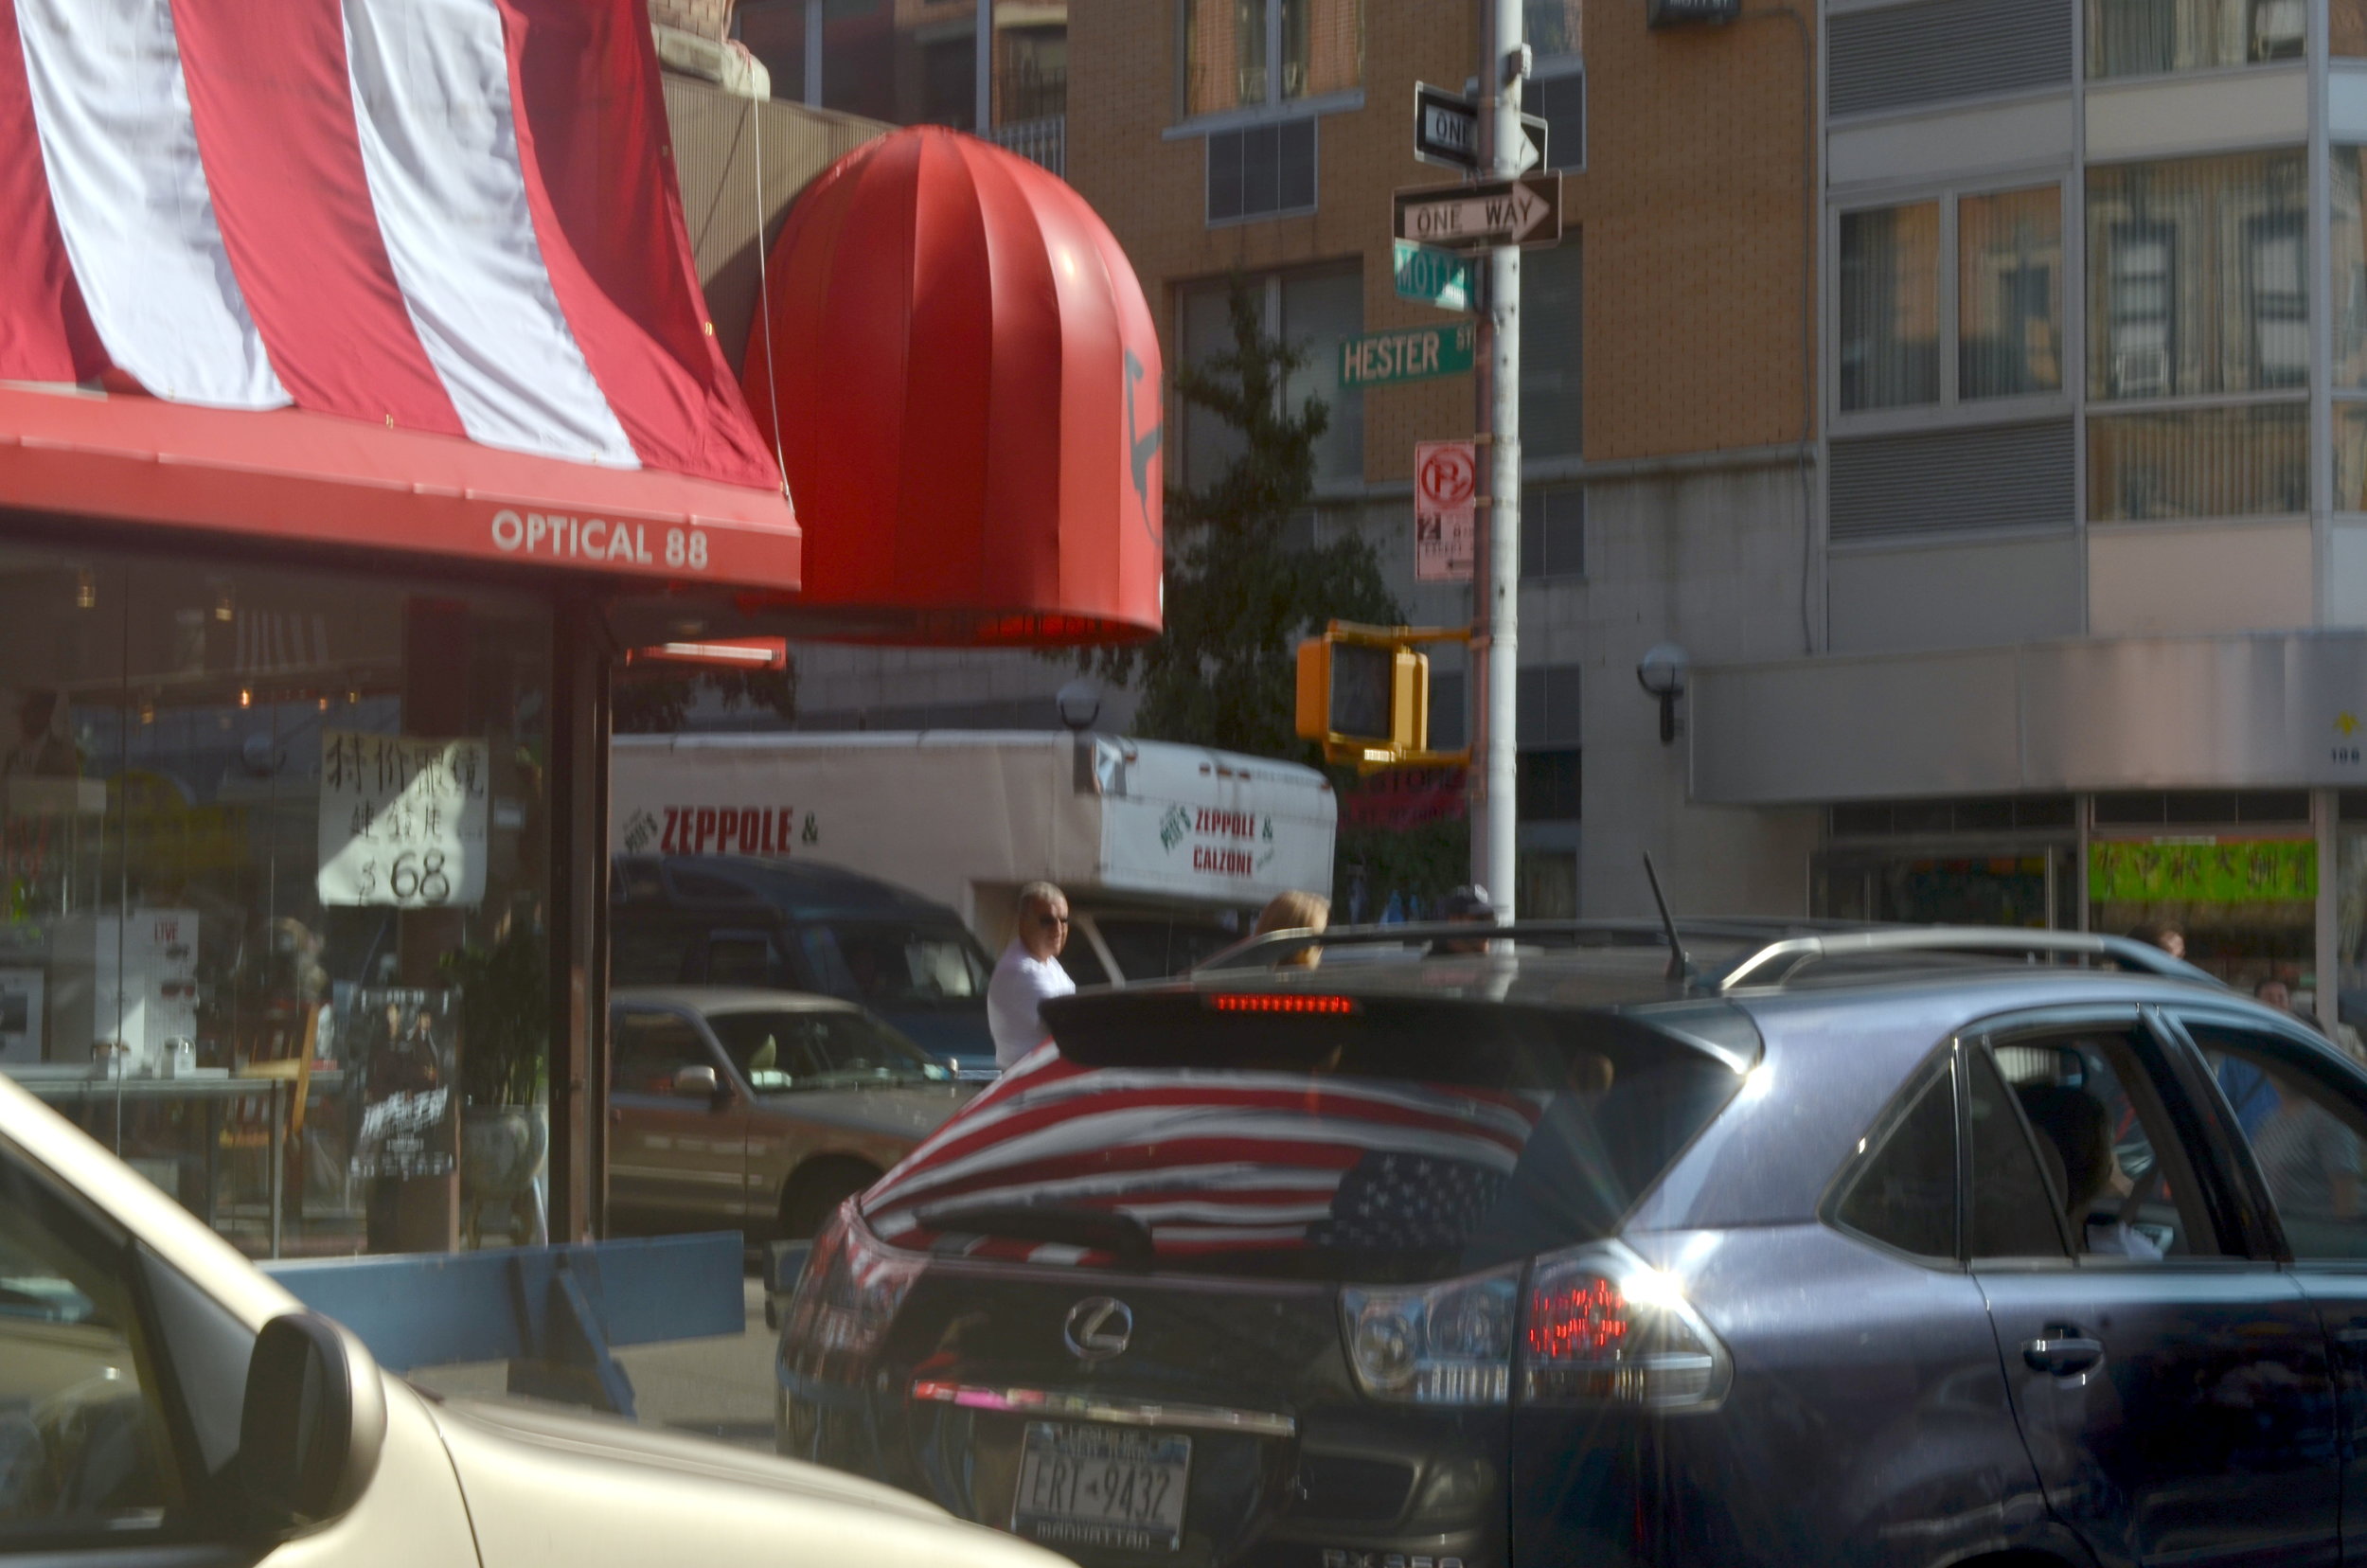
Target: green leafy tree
[[654, 699], [1238, 595]]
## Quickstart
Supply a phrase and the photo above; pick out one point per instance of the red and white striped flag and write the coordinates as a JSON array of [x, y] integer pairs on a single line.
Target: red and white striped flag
[[454, 215], [1214, 1161]]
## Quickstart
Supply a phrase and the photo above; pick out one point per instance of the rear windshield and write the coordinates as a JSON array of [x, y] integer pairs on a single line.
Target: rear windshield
[[1398, 1143], [894, 963]]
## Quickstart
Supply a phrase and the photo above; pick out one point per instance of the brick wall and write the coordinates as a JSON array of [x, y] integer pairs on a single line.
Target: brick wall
[[1689, 211]]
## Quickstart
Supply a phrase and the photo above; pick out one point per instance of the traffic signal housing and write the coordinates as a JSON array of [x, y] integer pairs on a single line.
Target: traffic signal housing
[[1364, 692]]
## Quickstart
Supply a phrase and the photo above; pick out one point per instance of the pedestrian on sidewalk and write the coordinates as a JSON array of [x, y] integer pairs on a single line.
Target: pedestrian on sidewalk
[[1028, 973]]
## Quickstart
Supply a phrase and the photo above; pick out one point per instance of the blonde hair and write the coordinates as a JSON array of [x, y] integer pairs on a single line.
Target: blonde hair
[[1294, 911]]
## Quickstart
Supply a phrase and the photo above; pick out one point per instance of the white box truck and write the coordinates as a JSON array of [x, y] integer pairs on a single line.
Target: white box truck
[[1166, 852]]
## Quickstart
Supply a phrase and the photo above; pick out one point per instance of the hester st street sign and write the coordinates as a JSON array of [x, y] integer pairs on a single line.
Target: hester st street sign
[[1527, 211], [1406, 354]]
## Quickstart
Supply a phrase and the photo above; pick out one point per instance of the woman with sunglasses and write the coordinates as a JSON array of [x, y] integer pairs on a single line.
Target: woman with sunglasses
[[1028, 971]]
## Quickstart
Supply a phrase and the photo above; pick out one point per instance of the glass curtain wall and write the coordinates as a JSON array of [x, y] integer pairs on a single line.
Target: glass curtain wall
[[2198, 289], [274, 872], [2135, 38]]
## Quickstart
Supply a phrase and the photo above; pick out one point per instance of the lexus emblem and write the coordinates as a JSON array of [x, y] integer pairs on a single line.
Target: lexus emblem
[[1097, 1329]]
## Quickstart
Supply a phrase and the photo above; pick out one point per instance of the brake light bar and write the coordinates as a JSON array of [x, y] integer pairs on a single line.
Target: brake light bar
[[1271, 1003]]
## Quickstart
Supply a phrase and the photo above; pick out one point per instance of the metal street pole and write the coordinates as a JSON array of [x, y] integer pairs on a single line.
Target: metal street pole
[[982, 61], [1496, 585]]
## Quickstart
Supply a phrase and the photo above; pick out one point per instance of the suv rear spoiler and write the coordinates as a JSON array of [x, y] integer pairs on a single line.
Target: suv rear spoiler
[[1777, 950]]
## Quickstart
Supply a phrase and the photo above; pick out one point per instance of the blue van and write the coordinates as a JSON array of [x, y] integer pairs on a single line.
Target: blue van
[[801, 925]]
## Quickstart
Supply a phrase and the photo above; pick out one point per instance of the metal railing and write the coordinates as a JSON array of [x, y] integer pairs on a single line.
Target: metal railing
[[1754, 952], [1042, 142]]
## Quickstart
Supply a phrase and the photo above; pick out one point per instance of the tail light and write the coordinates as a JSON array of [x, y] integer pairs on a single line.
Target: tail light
[[1603, 1326], [1445, 1344], [846, 1298]]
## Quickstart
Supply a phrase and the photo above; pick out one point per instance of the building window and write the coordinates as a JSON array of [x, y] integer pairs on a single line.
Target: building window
[[1548, 885], [1556, 94], [1239, 54], [1552, 370], [1554, 26], [2349, 240], [1547, 785], [2197, 283], [1261, 171], [2350, 455], [2009, 294], [2133, 38], [949, 84], [1890, 316], [1034, 83], [2251, 460], [1546, 719], [1314, 313], [1552, 532], [2346, 29]]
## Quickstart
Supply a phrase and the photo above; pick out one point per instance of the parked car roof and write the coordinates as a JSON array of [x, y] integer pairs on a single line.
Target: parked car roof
[[732, 999]]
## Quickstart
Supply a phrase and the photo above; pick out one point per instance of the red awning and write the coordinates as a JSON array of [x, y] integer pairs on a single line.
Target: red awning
[[965, 381], [396, 276], [293, 475]]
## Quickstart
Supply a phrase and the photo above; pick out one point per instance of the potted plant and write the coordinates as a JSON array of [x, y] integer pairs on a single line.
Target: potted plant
[[505, 1035]]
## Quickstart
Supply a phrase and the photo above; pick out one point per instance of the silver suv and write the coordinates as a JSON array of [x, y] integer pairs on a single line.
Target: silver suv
[[1901, 1247]]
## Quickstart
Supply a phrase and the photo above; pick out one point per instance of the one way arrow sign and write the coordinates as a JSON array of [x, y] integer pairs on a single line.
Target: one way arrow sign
[[1527, 211]]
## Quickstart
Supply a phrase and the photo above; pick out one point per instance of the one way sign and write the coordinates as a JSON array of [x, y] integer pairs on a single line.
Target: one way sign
[[1446, 131], [1527, 211]]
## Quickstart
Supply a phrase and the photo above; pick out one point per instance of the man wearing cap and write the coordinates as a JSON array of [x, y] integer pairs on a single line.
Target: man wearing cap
[[1471, 905], [1028, 973]]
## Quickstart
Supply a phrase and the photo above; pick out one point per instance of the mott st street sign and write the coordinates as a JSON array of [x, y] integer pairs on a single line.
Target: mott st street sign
[[1446, 131], [1433, 277], [1527, 211], [1407, 354]]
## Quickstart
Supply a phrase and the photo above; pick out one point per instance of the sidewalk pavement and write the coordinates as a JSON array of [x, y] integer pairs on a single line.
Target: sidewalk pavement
[[719, 1387]]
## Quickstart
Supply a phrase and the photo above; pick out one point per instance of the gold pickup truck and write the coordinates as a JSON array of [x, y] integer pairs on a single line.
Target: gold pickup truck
[[757, 1110]]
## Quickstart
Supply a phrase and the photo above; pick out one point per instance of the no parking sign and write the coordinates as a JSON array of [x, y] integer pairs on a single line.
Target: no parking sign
[[1445, 488]]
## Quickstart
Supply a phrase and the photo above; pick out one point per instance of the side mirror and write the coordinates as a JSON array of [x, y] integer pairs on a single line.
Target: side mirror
[[697, 1083], [314, 1419]]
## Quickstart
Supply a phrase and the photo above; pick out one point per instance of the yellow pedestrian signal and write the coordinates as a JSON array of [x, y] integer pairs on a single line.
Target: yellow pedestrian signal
[[1363, 691]]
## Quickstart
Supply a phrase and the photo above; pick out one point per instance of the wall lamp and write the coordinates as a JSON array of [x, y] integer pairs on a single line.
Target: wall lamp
[[1662, 673]]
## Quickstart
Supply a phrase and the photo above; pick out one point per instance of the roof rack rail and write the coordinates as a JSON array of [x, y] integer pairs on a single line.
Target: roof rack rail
[[1779, 947], [1775, 962]]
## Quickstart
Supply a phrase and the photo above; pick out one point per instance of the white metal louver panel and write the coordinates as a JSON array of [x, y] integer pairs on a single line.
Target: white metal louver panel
[[1994, 478], [1899, 56]]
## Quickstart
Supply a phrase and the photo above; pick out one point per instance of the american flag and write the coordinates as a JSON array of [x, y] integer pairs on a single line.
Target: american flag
[[1212, 1160]]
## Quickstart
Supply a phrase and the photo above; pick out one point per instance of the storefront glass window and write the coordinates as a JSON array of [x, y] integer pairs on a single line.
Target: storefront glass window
[[2247, 905], [274, 879], [1890, 307]]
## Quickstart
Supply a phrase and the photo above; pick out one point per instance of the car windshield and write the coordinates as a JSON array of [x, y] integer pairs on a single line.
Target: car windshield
[[894, 963], [1391, 1144], [787, 1051]]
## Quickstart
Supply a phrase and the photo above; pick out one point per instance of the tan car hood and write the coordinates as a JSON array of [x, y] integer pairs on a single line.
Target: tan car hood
[[554, 1488]]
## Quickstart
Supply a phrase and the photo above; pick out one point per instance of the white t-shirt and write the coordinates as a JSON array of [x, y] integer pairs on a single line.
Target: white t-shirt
[[1021, 984]]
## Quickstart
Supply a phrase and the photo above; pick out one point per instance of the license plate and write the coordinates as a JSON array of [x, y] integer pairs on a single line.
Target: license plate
[[1094, 1486]]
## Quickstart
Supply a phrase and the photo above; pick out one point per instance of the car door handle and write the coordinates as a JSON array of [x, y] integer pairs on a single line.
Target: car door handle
[[2062, 1357]]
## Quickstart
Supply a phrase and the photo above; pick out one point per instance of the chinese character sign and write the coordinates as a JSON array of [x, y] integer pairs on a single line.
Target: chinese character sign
[[402, 820]]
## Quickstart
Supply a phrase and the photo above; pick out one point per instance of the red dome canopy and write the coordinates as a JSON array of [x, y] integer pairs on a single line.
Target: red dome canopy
[[967, 384]]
